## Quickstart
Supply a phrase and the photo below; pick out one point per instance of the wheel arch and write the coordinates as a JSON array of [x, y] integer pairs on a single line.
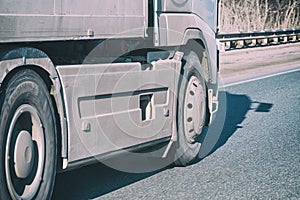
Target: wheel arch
[[17, 59], [194, 40]]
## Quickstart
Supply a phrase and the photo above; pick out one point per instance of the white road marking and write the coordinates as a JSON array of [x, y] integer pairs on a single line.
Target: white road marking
[[259, 78]]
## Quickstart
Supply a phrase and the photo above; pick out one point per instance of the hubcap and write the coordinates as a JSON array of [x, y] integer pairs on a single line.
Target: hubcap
[[194, 109], [24, 153]]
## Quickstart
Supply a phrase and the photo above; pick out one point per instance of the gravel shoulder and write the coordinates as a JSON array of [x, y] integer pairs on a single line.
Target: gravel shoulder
[[242, 64]]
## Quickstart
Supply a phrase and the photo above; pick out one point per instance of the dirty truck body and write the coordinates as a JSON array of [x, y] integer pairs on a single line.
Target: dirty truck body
[[84, 80]]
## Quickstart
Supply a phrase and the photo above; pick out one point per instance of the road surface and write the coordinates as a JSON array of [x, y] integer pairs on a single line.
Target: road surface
[[253, 152]]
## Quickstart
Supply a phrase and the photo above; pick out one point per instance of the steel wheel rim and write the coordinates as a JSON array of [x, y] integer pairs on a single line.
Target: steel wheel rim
[[26, 116], [194, 110]]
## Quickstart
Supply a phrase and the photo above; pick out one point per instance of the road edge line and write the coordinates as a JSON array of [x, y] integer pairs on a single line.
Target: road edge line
[[259, 78]]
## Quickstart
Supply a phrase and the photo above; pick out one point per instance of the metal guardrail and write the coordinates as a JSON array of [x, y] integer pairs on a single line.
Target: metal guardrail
[[238, 40]]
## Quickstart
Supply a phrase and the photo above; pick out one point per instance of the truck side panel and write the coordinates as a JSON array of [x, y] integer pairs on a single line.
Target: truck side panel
[[115, 106], [45, 20]]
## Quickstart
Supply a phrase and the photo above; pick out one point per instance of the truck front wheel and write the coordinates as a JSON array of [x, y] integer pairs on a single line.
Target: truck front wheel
[[27, 138], [192, 108]]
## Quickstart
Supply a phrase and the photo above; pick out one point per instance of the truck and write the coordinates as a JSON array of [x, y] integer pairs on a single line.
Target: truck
[[84, 81]]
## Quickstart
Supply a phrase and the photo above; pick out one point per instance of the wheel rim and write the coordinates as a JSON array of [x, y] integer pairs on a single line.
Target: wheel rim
[[194, 109], [24, 153]]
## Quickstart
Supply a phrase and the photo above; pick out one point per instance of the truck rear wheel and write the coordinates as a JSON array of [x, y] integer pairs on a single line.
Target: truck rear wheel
[[191, 115], [27, 139]]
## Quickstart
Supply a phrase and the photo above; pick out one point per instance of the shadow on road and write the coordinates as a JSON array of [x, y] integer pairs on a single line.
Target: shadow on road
[[232, 112], [96, 180], [92, 182]]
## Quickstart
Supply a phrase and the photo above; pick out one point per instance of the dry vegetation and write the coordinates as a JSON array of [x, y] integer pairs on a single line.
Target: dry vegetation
[[257, 15]]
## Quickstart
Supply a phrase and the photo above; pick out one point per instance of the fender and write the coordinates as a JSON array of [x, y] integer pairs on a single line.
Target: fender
[[26, 56], [197, 36], [177, 29]]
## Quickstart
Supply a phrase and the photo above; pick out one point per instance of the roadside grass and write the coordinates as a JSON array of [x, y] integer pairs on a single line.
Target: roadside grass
[[258, 15]]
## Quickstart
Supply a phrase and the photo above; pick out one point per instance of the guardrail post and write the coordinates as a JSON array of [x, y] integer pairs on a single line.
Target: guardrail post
[[264, 41], [275, 40], [227, 45], [253, 42], [294, 38], [284, 39], [240, 44]]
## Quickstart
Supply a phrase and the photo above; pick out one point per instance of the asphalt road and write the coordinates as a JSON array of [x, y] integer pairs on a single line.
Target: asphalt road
[[256, 155]]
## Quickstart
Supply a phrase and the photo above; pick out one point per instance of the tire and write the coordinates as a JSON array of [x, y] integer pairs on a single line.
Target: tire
[[27, 139], [191, 111]]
